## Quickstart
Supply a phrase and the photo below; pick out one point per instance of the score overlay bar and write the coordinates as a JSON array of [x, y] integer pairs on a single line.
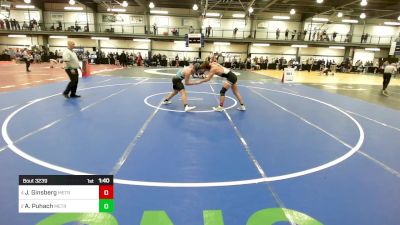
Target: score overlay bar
[[66, 193]]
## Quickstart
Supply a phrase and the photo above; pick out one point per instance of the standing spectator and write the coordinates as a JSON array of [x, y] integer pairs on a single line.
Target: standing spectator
[[191, 30], [234, 32], [13, 25], [139, 59], [7, 22], [366, 37], [71, 68], [123, 59], [2, 24], [286, 34], [348, 36], [387, 74], [155, 29], [334, 36], [28, 59], [304, 34], [18, 26], [278, 32], [314, 34], [208, 30], [362, 38], [177, 61], [294, 32]]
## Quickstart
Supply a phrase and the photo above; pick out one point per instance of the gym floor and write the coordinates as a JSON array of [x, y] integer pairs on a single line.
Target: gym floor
[[321, 150]]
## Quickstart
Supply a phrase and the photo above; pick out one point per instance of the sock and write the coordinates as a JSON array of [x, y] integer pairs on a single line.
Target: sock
[[242, 104], [185, 105], [221, 104], [165, 100]]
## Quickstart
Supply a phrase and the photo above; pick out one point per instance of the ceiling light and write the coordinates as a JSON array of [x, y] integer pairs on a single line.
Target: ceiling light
[[212, 14], [71, 2], [251, 10], [340, 15], [362, 16], [180, 42], [398, 18], [222, 43], [281, 17], [195, 7], [124, 4], [320, 1], [158, 12], [320, 19], [27, 1], [17, 35], [142, 40], [350, 21], [151, 5], [392, 23], [373, 49], [238, 15], [25, 6], [337, 47], [261, 44], [363, 3], [100, 38], [292, 12], [59, 37], [300, 46], [73, 8]]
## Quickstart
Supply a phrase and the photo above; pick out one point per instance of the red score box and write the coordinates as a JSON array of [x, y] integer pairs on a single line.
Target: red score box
[[106, 192]]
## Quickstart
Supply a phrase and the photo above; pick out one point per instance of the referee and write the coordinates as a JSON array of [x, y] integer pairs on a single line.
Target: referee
[[71, 68], [387, 74]]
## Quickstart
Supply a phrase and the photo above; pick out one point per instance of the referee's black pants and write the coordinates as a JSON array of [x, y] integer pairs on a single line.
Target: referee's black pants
[[386, 80], [73, 84]]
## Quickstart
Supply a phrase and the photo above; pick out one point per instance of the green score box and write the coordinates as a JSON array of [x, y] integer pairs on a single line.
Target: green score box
[[106, 205]]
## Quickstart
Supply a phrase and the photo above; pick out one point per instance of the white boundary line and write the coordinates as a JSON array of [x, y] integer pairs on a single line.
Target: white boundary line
[[180, 184], [182, 111], [375, 121]]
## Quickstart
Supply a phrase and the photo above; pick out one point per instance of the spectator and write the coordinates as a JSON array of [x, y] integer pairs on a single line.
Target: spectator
[[334, 36], [294, 32], [191, 30], [304, 34], [234, 32], [176, 61], [366, 37], [314, 34], [28, 59], [286, 34], [155, 29], [348, 36], [278, 32], [208, 30]]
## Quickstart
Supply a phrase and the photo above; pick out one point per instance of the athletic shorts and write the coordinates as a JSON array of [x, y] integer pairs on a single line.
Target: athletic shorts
[[230, 77], [177, 84]]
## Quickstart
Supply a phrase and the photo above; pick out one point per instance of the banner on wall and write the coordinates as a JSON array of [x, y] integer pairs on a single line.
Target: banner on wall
[[137, 19], [57, 17], [108, 18]]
